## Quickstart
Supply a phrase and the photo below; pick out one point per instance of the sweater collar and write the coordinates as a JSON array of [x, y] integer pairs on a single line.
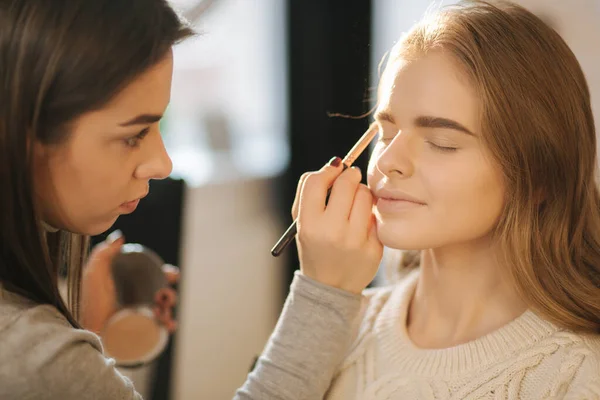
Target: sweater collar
[[501, 344]]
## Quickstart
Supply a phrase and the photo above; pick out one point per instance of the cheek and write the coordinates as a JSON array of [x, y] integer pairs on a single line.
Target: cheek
[[470, 197], [373, 174], [86, 191], [464, 201]]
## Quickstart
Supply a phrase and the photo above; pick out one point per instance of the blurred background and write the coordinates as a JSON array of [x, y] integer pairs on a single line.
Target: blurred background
[[249, 114]]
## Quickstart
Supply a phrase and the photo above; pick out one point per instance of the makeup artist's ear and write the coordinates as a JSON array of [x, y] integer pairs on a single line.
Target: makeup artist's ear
[[40, 153]]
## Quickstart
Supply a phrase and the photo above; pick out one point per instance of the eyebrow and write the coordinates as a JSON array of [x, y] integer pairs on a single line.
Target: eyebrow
[[143, 119], [427, 122], [384, 116]]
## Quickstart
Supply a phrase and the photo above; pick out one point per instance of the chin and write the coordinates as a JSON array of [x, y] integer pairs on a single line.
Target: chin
[[400, 237], [103, 228], [95, 228]]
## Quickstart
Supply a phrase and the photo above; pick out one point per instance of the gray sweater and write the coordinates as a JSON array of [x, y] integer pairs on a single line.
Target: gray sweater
[[43, 357]]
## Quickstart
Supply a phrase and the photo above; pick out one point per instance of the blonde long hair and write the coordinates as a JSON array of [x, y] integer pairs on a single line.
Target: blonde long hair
[[537, 123]]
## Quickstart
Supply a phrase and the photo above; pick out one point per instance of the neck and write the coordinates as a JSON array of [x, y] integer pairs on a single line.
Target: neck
[[462, 294]]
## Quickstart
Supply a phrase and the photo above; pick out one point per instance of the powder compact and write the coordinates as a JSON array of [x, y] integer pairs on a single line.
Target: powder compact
[[132, 336]]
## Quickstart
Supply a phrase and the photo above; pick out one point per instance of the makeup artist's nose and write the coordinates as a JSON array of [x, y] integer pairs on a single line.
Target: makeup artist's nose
[[156, 164], [395, 160]]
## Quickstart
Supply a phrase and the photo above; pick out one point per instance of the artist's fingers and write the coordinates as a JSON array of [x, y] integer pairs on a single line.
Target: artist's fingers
[[172, 326], [172, 273], [314, 191], [298, 192], [105, 251], [163, 314], [168, 321], [165, 297], [361, 214], [167, 315], [343, 193]]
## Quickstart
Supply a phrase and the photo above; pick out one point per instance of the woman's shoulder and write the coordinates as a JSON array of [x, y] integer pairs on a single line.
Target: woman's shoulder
[[581, 360], [39, 350], [587, 347], [20, 317], [32, 333]]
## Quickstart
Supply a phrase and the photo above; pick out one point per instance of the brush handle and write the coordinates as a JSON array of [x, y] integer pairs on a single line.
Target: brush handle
[[284, 240]]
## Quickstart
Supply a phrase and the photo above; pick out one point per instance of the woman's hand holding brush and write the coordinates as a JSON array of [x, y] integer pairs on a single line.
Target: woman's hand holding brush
[[337, 237]]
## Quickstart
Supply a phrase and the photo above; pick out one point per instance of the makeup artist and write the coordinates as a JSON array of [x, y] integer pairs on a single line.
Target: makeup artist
[[83, 86]]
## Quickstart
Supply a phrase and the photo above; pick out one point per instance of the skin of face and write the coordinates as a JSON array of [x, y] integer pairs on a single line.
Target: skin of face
[[435, 184], [84, 183]]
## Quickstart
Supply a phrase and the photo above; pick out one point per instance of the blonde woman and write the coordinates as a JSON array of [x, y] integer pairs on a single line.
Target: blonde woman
[[484, 175]]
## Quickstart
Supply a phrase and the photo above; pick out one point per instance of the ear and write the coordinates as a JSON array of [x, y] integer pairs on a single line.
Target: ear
[[38, 150], [40, 155]]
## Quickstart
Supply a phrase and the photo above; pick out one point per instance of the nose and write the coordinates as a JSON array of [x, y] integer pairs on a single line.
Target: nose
[[157, 164], [396, 158]]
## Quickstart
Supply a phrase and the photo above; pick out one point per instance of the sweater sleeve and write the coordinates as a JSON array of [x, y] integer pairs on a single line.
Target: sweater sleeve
[[307, 346], [43, 357]]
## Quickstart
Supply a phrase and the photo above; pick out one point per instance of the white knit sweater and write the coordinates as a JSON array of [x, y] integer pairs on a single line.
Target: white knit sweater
[[529, 358]]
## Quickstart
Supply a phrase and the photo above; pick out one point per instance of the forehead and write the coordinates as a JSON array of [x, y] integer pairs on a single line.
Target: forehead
[[430, 85], [151, 89], [149, 93]]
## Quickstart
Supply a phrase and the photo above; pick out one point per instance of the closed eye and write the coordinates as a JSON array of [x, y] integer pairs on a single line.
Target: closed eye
[[441, 148]]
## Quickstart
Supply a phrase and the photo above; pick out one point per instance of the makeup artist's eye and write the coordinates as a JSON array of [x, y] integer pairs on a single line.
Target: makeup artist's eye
[[134, 141], [441, 148]]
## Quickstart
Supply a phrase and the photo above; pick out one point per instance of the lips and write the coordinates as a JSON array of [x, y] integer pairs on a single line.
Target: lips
[[136, 199], [394, 201], [396, 195], [130, 206]]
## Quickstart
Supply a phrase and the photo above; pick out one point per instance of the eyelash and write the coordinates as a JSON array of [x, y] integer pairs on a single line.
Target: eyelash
[[431, 144], [441, 148], [134, 141]]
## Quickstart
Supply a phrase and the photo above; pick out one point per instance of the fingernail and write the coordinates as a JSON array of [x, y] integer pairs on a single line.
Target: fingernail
[[114, 236], [335, 162], [161, 297], [170, 268]]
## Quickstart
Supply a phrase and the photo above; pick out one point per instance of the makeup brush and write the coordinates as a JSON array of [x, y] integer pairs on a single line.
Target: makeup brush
[[347, 162]]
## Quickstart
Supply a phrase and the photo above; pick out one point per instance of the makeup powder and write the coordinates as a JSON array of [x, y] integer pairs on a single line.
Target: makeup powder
[[132, 337]]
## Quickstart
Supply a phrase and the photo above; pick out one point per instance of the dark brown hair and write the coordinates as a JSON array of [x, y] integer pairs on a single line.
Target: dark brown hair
[[58, 60]]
